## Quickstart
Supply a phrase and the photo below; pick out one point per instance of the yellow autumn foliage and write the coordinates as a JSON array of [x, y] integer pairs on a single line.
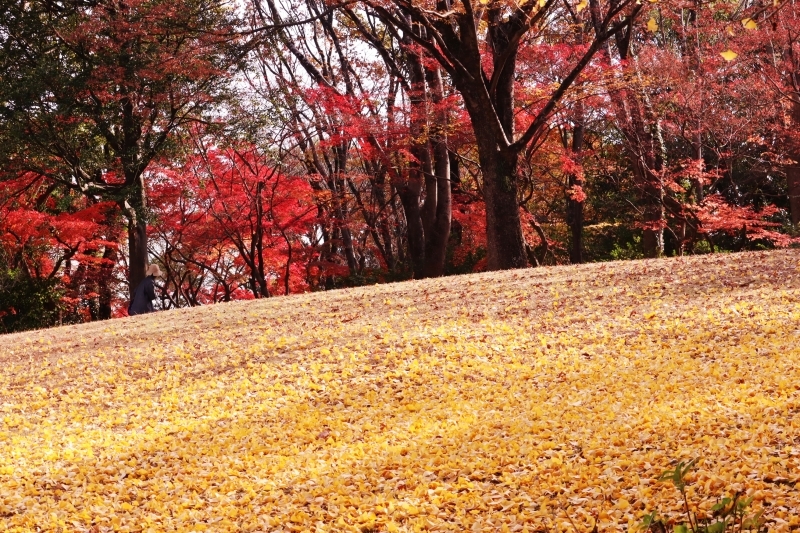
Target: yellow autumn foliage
[[512, 401]]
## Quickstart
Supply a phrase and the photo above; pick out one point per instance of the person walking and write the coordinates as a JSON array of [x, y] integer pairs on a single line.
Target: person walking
[[145, 293]]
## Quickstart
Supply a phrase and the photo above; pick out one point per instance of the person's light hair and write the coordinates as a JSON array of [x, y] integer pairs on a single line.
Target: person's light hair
[[153, 270]]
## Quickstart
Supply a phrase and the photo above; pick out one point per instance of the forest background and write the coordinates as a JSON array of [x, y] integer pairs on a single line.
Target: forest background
[[261, 148]]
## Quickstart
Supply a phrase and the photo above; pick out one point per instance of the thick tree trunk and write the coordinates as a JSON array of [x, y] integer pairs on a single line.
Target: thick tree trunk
[[504, 239], [463, 35], [491, 115], [505, 242]]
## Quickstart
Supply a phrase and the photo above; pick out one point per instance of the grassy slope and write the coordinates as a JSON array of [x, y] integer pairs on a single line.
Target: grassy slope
[[480, 402]]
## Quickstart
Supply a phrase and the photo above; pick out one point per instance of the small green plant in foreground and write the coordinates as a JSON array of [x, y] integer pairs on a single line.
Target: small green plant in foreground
[[729, 515]]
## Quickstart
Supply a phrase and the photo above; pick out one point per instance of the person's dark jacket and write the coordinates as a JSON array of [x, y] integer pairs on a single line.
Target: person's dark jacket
[[143, 297]]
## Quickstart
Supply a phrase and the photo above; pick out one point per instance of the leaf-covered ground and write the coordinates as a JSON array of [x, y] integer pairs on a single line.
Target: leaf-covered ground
[[492, 402]]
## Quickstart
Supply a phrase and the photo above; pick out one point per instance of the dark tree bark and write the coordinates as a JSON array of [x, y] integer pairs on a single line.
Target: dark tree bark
[[793, 181], [425, 189], [456, 44], [793, 171], [105, 281], [490, 104], [419, 216], [575, 207], [438, 233], [134, 211]]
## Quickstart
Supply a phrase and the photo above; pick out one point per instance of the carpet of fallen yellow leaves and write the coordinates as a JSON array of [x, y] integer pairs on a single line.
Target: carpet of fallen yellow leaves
[[491, 402]]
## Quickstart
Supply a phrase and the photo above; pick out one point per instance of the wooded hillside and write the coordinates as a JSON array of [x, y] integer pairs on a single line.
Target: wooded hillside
[[254, 148], [503, 401]]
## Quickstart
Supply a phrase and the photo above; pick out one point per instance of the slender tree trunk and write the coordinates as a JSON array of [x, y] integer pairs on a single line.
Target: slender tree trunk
[[793, 181], [422, 168], [655, 155], [793, 171], [653, 230], [338, 189], [645, 147], [697, 148], [349, 251], [258, 269], [104, 282], [382, 188], [381, 232], [329, 253], [409, 197], [640, 145], [396, 204], [419, 217], [692, 51], [137, 236], [575, 218], [437, 235]]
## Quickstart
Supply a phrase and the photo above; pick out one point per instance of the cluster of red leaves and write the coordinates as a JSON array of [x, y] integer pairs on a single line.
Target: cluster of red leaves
[[717, 215], [44, 241], [230, 215]]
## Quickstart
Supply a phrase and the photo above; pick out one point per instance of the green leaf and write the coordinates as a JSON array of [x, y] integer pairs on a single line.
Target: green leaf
[[717, 527], [647, 520], [666, 475], [721, 505], [754, 522], [681, 529], [744, 504]]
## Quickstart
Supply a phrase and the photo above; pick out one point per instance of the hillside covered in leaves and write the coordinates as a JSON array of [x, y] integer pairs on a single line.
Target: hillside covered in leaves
[[513, 401]]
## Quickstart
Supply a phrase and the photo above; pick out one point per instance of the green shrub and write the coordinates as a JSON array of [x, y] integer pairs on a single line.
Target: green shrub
[[729, 514], [27, 303]]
